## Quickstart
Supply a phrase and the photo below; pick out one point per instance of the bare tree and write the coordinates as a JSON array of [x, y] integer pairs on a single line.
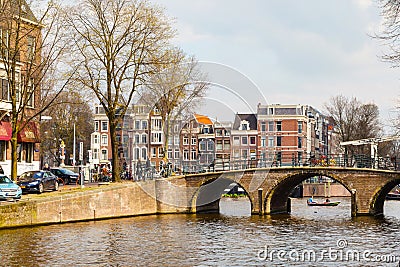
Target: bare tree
[[70, 109], [353, 119], [174, 90], [30, 49], [118, 44]]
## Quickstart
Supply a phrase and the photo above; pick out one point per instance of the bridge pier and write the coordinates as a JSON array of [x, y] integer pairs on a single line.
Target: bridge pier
[[353, 203], [260, 201]]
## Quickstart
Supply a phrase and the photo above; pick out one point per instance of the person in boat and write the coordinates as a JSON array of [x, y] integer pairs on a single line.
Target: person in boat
[[327, 200], [310, 200]]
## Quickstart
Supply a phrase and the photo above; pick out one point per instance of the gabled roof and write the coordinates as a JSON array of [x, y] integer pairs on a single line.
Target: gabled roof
[[25, 12], [251, 118], [202, 119]]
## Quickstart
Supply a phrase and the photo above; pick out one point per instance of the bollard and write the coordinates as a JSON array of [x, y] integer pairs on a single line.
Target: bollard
[[353, 203], [260, 201]]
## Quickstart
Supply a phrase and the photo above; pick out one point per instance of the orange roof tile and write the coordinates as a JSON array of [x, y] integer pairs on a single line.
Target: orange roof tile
[[203, 119]]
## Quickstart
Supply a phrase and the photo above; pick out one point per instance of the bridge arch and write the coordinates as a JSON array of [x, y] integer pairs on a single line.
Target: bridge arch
[[208, 195], [378, 201], [276, 200]]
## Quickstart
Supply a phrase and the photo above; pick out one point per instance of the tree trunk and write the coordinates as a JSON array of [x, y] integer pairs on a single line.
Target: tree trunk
[[14, 152], [114, 149]]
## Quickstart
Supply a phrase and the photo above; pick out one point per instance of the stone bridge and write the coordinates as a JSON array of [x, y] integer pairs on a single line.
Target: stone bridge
[[269, 188]]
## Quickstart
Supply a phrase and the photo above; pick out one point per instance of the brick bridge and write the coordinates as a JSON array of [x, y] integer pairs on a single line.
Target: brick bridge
[[269, 188]]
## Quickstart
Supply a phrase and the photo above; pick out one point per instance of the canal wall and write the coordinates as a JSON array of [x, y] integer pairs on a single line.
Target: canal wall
[[323, 190], [106, 201]]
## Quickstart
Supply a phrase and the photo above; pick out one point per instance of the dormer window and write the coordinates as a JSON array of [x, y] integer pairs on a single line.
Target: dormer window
[[244, 126]]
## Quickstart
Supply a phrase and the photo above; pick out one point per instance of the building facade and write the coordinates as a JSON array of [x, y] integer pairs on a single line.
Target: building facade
[[291, 134], [22, 59]]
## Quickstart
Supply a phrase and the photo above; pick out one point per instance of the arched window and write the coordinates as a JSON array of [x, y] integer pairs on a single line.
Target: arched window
[[144, 153], [137, 153]]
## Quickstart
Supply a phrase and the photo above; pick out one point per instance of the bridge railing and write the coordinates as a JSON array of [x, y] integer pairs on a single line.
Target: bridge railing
[[312, 160]]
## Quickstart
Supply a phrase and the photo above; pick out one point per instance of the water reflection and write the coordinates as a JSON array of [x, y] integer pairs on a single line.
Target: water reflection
[[203, 240]]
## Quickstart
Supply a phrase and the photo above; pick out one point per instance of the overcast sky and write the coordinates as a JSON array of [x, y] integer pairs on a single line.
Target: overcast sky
[[286, 51]]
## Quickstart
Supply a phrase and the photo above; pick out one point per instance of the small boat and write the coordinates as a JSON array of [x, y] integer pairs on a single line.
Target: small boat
[[311, 202]]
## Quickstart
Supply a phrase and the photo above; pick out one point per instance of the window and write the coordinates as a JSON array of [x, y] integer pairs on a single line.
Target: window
[[193, 154], [263, 141], [104, 155], [244, 126], [104, 139], [244, 154], [95, 154], [203, 146], [96, 126], [299, 142], [244, 140], [185, 154], [210, 145], [153, 152], [176, 153], [144, 125], [279, 141], [30, 93], [219, 145], [4, 41], [160, 152], [104, 126], [206, 130], [236, 153], [176, 139], [3, 150], [156, 124], [299, 156], [236, 140], [96, 139], [278, 126], [194, 141], [144, 138], [144, 153], [263, 126], [31, 47], [227, 144], [271, 141], [136, 155], [218, 132], [5, 90], [270, 126], [156, 137], [137, 125], [185, 140], [300, 127], [252, 140], [170, 153], [137, 138]]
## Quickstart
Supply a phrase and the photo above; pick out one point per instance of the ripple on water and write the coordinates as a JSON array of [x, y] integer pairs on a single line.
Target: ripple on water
[[202, 240]]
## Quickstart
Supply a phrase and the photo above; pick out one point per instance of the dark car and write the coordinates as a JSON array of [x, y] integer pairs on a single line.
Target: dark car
[[66, 175], [37, 181]]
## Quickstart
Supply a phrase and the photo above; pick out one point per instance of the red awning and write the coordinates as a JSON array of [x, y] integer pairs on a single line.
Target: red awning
[[5, 131], [29, 134]]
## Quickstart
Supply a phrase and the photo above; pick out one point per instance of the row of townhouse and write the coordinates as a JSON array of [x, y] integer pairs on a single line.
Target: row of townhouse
[[276, 134]]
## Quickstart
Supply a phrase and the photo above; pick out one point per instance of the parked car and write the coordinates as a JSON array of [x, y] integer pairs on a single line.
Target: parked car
[[37, 181], [66, 175], [8, 189]]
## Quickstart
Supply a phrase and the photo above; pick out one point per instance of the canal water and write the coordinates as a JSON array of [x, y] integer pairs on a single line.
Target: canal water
[[309, 236]]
